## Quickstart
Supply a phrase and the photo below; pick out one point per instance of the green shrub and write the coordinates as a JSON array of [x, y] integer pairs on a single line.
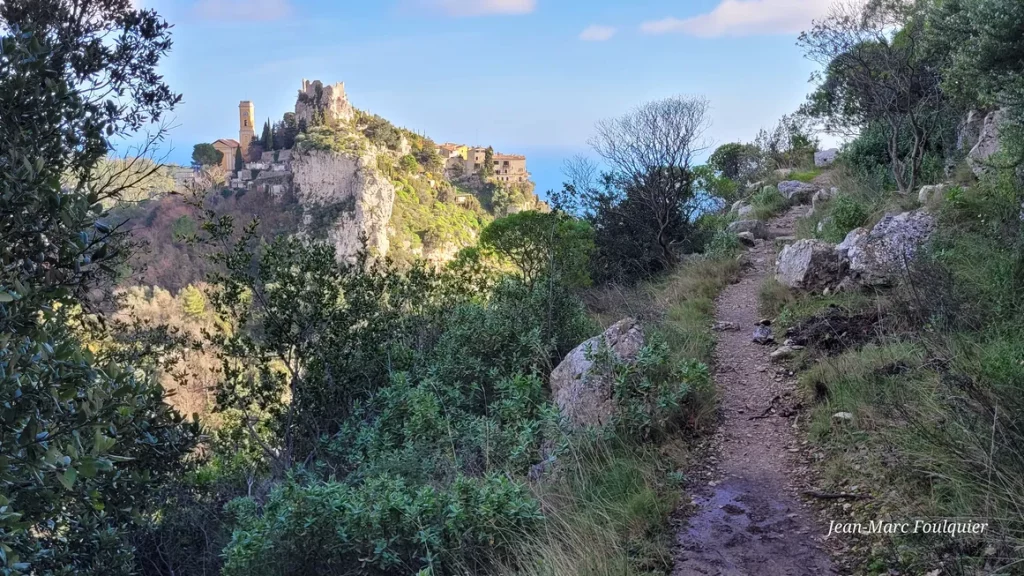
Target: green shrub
[[844, 214], [768, 202], [382, 526]]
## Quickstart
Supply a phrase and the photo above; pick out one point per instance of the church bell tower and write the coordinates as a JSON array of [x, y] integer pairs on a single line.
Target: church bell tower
[[246, 125]]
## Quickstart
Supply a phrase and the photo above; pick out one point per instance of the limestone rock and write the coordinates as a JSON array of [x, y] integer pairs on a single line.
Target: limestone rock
[[988, 143], [762, 335], [822, 196], [877, 256], [825, 157], [755, 227], [784, 352], [930, 195], [747, 238], [344, 199], [316, 100], [741, 209], [580, 390], [811, 265], [797, 192]]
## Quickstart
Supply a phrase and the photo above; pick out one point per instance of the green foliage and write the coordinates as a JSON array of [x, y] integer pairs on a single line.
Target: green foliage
[[206, 155], [845, 213], [193, 302], [383, 526], [735, 161], [267, 138], [324, 138], [715, 187], [409, 164], [651, 393], [87, 435], [379, 131], [239, 162], [768, 202], [543, 245], [723, 244], [488, 169]]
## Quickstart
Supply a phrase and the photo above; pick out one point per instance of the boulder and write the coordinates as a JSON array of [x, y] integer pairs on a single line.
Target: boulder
[[932, 194], [877, 256], [747, 238], [755, 227], [825, 157], [784, 352], [584, 392], [741, 209], [988, 143], [763, 336], [811, 265], [822, 196], [798, 192]]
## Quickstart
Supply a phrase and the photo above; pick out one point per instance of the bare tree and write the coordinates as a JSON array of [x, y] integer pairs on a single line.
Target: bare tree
[[877, 73], [649, 153]]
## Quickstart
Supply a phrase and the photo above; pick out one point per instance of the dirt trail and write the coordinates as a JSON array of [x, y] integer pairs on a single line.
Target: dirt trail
[[749, 520]]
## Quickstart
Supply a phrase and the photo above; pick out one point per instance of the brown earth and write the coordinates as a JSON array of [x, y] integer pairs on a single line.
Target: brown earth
[[748, 519]]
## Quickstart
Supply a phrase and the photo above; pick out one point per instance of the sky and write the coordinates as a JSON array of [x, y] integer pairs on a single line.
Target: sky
[[525, 76]]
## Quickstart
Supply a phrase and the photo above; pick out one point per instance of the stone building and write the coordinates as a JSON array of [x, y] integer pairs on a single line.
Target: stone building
[[227, 147], [508, 168]]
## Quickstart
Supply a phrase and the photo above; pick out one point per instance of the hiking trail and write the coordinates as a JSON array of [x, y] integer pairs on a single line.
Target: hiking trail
[[749, 519]]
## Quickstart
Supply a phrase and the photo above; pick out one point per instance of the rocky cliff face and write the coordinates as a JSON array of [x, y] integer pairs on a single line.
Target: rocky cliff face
[[345, 200]]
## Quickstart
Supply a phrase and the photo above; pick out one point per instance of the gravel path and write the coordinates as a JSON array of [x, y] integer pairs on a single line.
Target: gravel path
[[748, 519]]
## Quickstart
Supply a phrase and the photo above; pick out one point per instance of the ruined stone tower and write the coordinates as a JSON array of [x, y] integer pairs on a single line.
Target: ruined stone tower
[[246, 124], [319, 104]]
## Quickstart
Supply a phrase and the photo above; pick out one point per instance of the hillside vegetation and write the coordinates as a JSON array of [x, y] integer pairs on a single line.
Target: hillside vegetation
[[237, 401]]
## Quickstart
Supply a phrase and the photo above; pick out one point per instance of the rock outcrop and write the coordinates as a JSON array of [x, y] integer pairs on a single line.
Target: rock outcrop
[[878, 256], [825, 157], [797, 192], [988, 143], [581, 388], [345, 201], [755, 227], [810, 265], [930, 195]]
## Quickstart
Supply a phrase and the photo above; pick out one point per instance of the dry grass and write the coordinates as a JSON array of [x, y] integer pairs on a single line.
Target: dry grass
[[605, 514]]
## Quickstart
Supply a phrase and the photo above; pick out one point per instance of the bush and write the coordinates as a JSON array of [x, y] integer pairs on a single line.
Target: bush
[[382, 526]]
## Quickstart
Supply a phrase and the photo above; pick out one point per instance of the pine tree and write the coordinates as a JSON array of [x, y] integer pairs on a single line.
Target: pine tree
[[239, 162]]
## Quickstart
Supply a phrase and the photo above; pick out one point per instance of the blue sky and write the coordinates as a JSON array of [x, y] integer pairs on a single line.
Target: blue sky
[[526, 76]]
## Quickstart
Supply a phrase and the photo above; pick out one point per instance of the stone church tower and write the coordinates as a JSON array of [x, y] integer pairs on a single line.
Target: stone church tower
[[246, 125]]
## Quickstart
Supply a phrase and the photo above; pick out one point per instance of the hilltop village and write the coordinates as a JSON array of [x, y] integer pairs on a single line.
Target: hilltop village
[[268, 168]]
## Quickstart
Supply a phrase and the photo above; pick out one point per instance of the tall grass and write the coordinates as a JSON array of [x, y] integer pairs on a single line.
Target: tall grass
[[606, 514]]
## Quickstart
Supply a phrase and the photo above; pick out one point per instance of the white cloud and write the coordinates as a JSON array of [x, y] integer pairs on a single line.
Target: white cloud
[[243, 10], [745, 18], [597, 33], [483, 7]]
